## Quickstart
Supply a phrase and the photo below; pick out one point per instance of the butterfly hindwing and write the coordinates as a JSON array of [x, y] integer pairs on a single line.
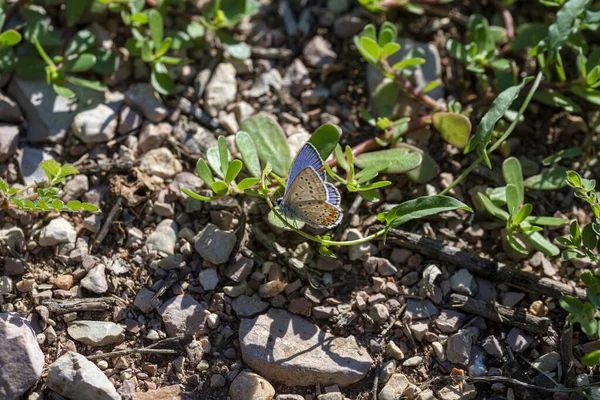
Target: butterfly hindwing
[[319, 214], [307, 157], [306, 186], [333, 196]]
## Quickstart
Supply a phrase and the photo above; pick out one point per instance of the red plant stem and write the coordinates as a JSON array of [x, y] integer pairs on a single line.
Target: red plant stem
[[507, 19], [372, 144]]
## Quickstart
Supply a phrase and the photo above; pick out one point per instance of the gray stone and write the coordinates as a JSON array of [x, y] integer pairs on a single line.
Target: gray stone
[[449, 321], [164, 237], [288, 349], [547, 362], [182, 315], [58, 231], [73, 375], [153, 135], [95, 125], [242, 111], [9, 110], [492, 346], [379, 313], [518, 340], [9, 135], [425, 73], [486, 290], [459, 347], [142, 97], [457, 392], [129, 120], [221, 90], [463, 282], [143, 300], [265, 82], [214, 245], [12, 236], [209, 279], [160, 162], [95, 280], [315, 97], [297, 77], [248, 307], [413, 361], [240, 270], [318, 53], [75, 188], [251, 386], [96, 333], [416, 309], [21, 358], [29, 167], [48, 115], [511, 299], [348, 26]]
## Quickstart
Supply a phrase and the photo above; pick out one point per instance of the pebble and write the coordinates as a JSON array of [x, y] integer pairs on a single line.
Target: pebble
[[164, 237], [96, 333], [347, 26], [449, 321], [95, 125], [153, 135], [209, 279], [379, 313], [297, 77], [12, 236], [221, 89], [19, 348], [143, 300], [318, 53], [9, 110], [251, 386], [419, 330], [518, 340], [58, 231], [547, 362], [182, 315], [413, 361], [457, 392], [357, 251], [75, 188], [72, 374], [315, 97], [459, 347], [95, 280], [387, 369], [64, 282], [463, 282], [129, 120], [214, 244], [217, 380], [511, 299], [242, 111], [316, 357], [240, 270], [248, 306], [142, 97], [161, 163], [392, 350], [172, 392], [417, 309], [394, 388], [9, 135], [439, 351]]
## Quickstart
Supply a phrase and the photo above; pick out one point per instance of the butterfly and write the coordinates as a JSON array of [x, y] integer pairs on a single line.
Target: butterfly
[[308, 197]]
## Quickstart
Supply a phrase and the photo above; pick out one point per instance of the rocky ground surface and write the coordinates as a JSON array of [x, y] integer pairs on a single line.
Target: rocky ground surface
[[176, 298]]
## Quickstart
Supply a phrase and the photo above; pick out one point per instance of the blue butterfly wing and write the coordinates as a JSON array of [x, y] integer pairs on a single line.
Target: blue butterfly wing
[[307, 157], [333, 196]]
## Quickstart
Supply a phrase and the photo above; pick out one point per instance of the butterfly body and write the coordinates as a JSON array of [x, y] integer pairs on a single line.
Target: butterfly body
[[308, 197]]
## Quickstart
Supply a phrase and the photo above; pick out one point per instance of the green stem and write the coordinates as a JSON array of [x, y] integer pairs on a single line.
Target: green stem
[[502, 139]]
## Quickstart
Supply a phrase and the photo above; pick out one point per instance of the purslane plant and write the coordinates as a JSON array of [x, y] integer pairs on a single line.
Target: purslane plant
[[43, 196]]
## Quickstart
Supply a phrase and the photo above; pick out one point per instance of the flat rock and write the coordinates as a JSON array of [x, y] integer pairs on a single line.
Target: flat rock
[[449, 321], [463, 282], [143, 300], [96, 333], [394, 388], [459, 347], [547, 362], [29, 167], [214, 244], [250, 386], [142, 97], [172, 392], [160, 162], [95, 280], [318, 53], [164, 237], [9, 135], [222, 88], [457, 392], [21, 358], [13, 236], [58, 231], [518, 340], [95, 125], [248, 306], [182, 315], [416, 309], [73, 374], [286, 348]]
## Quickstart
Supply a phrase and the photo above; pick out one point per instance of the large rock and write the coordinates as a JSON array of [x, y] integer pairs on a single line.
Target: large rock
[[29, 165], [286, 348], [214, 245], [96, 333], [161, 162], [183, 315], [250, 386], [222, 88], [96, 125], [9, 110], [164, 237], [12, 236], [8, 141], [21, 358], [58, 231], [74, 377]]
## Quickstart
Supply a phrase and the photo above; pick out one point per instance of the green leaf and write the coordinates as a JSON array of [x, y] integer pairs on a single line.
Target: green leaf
[[17, 202], [107, 61], [74, 9], [74, 205], [555, 178], [572, 152], [204, 172], [81, 63], [3, 186], [553, 98], [588, 94], [66, 170], [195, 196], [224, 155], [512, 199], [547, 221], [155, 21], [370, 195], [529, 35], [492, 208], [80, 43], [339, 156], [425, 172], [430, 86], [146, 51], [458, 50], [523, 213], [420, 208], [591, 359], [269, 141], [539, 242], [387, 34], [511, 169], [371, 48], [51, 168], [571, 304], [219, 187], [94, 85], [515, 244], [486, 126], [588, 237], [593, 76], [575, 232], [235, 48], [589, 326], [560, 30], [214, 161], [246, 147], [63, 91], [593, 298], [160, 79], [325, 139], [409, 62], [89, 207], [389, 49], [233, 170], [247, 183], [278, 223], [400, 160], [455, 128], [164, 47], [57, 204], [42, 205], [9, 38]]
